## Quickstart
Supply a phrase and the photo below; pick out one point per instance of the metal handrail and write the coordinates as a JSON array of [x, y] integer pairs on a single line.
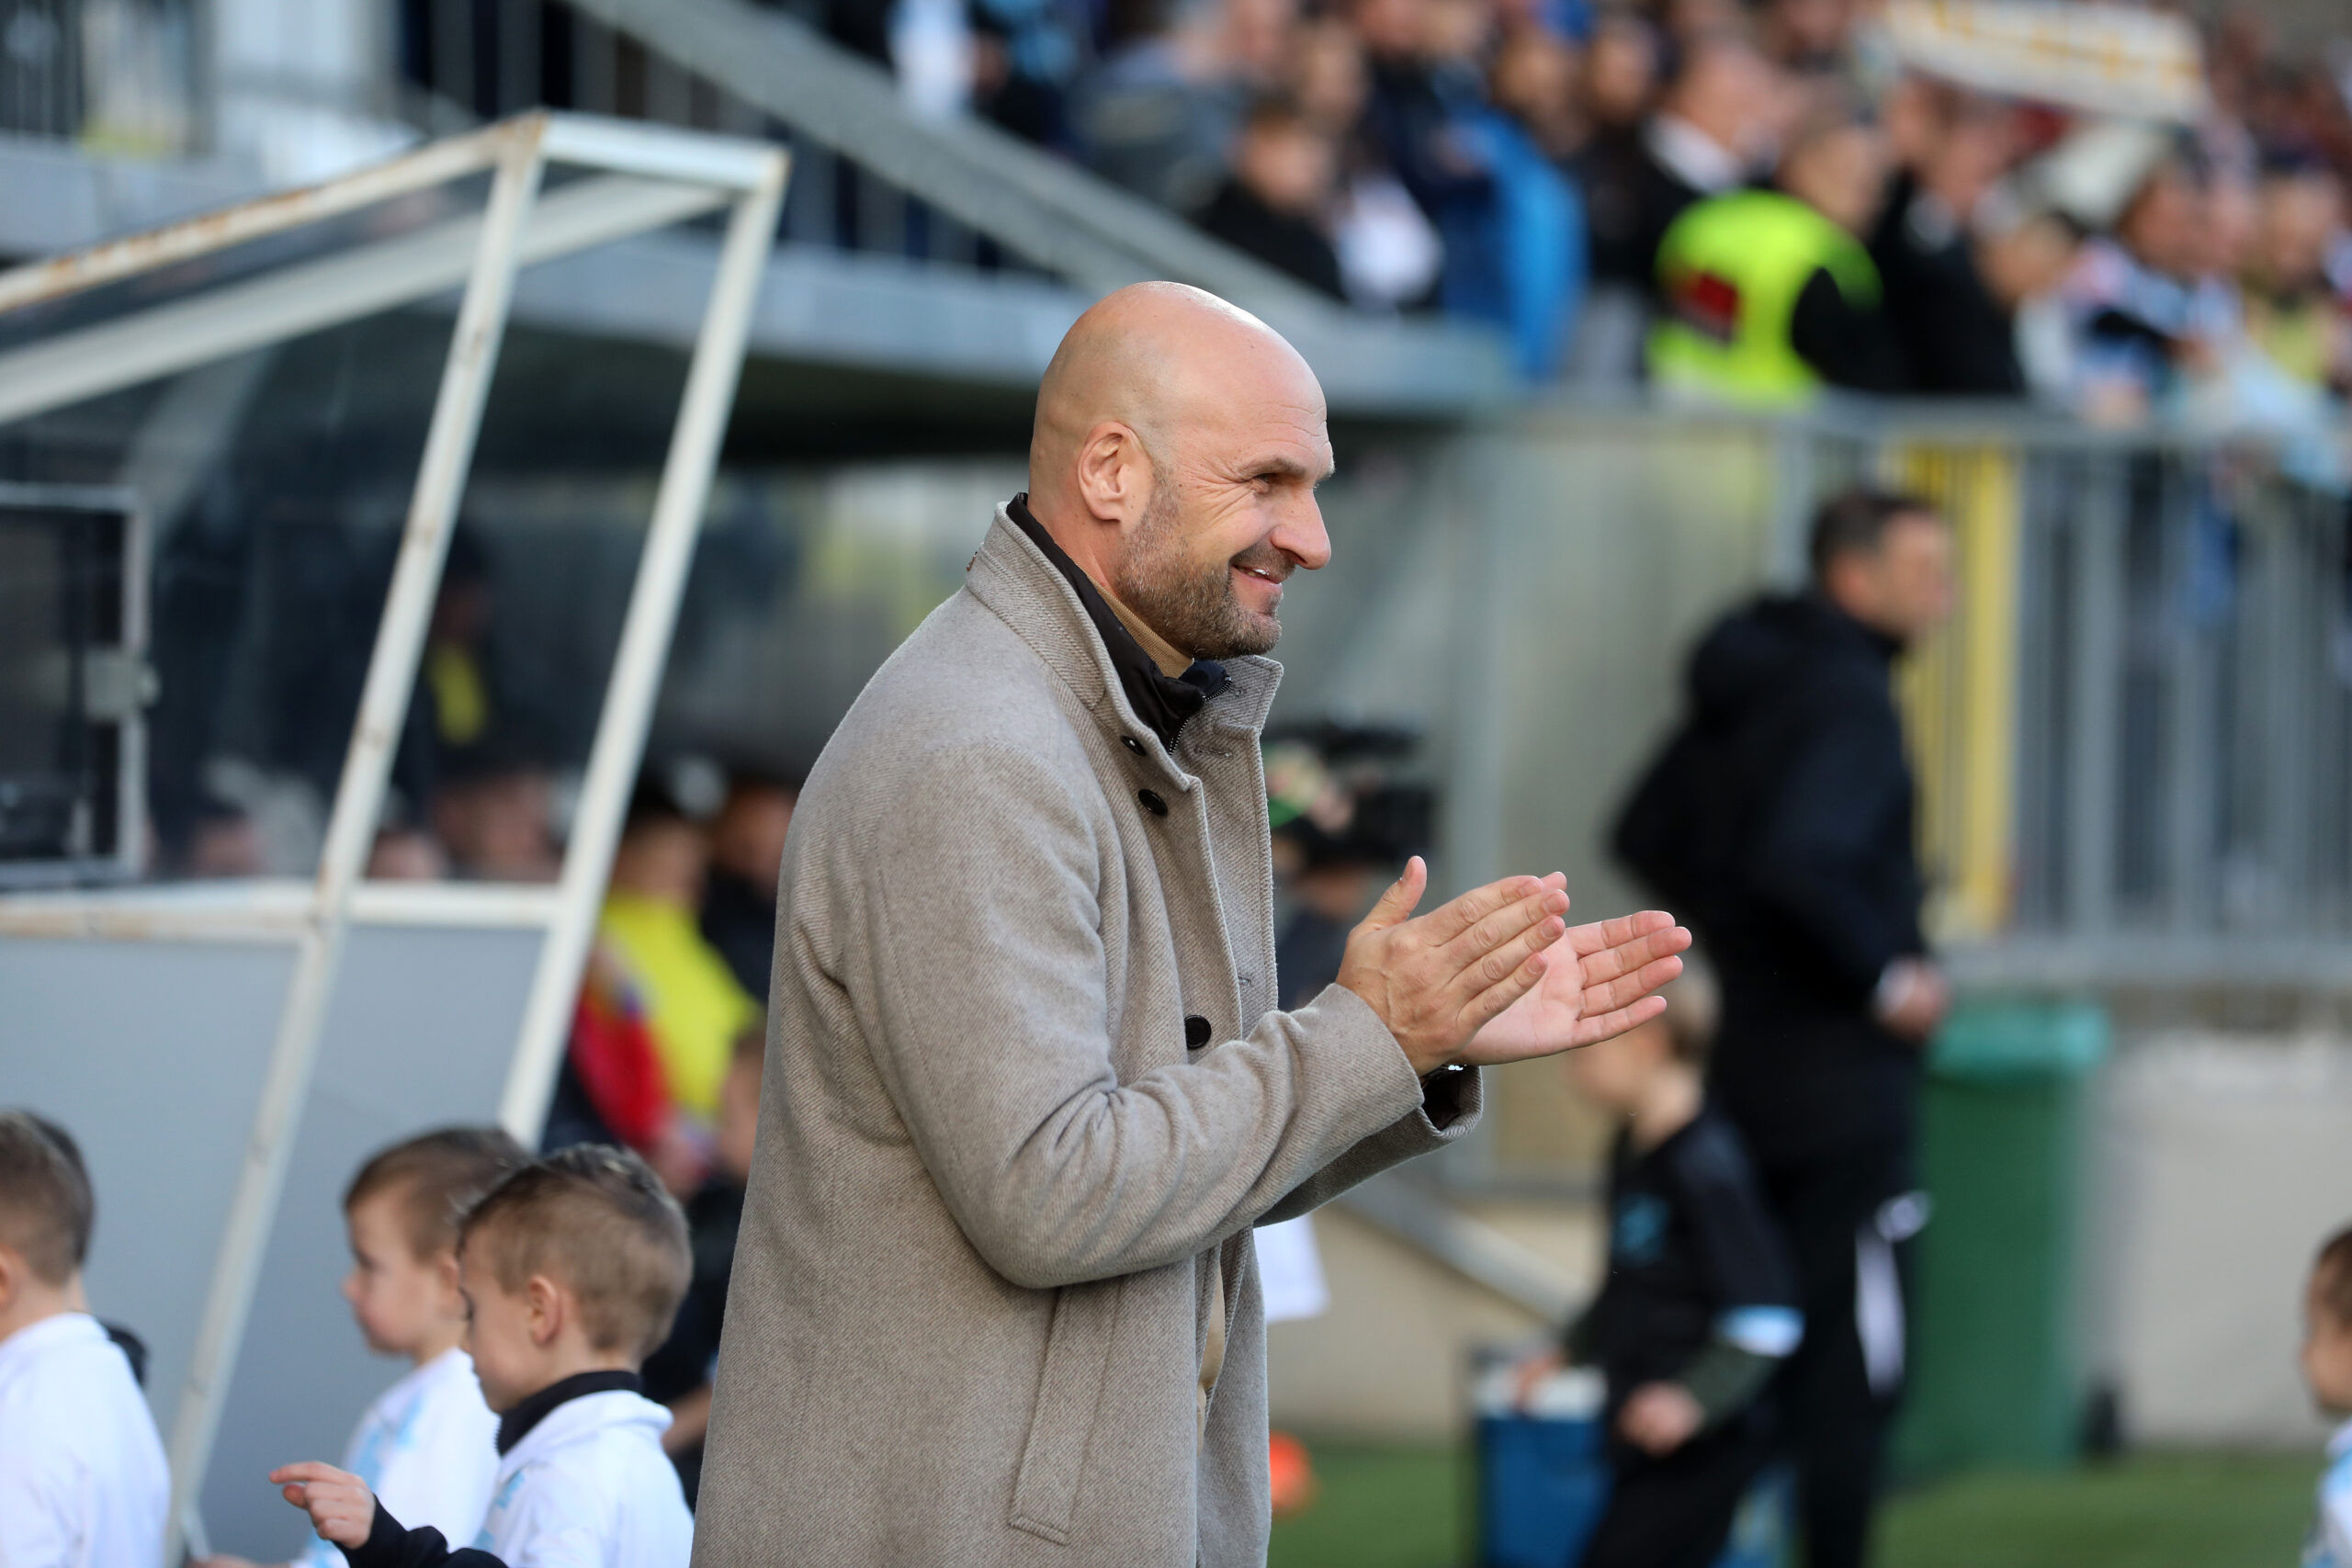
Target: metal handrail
[[1035, 205]]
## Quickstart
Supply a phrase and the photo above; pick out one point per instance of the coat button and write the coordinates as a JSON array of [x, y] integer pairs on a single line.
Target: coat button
[[1132, 744], [1151, 802], [1196, 1031]]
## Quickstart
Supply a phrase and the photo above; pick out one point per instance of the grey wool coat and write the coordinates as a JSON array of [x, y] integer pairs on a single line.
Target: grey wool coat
[[993, 1186]]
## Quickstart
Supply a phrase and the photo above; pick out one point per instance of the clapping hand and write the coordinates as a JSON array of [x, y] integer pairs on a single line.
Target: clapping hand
[[1498, 976], [1600, 981]]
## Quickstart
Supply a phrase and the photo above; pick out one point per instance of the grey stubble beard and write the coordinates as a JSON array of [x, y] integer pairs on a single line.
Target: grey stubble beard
[[1193, 607]]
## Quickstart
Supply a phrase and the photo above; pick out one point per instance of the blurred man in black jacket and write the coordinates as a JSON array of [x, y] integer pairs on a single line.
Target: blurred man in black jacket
[[1781, 818]]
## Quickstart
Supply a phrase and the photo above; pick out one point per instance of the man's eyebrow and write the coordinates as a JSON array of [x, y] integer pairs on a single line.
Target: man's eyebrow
[[1289, 468]]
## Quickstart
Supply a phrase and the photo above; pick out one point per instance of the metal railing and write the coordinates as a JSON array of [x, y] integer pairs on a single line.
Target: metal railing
[[2134, 740], [2136, 737]]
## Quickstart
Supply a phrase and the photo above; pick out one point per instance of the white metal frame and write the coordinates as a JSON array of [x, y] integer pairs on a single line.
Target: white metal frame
[[647, 177]]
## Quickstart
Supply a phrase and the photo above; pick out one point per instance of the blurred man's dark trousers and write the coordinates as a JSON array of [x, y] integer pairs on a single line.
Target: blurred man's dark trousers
[[1850, 1221], [1676, 1512]]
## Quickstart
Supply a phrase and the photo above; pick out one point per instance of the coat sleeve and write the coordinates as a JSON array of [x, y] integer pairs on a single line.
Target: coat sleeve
[[1449, 1109], [976, 968]]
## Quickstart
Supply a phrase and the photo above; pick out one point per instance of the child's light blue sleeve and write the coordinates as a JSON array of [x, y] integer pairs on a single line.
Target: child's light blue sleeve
[[2331, 1541]]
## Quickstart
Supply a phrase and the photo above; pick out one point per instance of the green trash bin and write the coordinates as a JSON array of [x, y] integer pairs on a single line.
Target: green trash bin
[[1996, 1372]]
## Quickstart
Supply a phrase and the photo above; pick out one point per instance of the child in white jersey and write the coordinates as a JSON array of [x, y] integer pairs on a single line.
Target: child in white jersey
[[572, 1267], [2327, 1367], [82, 1477], [425, 1445]]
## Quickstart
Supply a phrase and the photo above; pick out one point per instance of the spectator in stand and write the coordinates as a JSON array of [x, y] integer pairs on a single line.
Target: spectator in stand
[[455, 685], [223, 842], [1957, 337], [2131, 301], [652, 956], [1770, 294], [1329, 78], [1156, 118], [1515, 253], [1707, 137], [1807, 37], [1388, 251], [1621, 71], [492, 811], [1409, 119], [2292, 314], [746, 857], [1277, 203], [404, 853], [1252, 41], [1536, 78], [1026, 55]]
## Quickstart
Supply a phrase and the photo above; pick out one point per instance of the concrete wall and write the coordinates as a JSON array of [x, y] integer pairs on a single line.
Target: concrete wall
[[2222, 1163]]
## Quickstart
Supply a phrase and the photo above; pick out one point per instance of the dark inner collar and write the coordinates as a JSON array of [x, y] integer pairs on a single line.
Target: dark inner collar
[[517, 1424], [1160, 699]]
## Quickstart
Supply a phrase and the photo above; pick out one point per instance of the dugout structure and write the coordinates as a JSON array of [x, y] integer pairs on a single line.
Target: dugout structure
[[211, 1042]]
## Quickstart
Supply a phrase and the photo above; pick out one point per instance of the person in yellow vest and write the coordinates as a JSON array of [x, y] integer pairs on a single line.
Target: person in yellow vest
[[648, 939], [1769, 294]]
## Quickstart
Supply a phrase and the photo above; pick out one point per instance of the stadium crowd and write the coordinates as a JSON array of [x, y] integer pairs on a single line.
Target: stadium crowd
[[1576, 172]]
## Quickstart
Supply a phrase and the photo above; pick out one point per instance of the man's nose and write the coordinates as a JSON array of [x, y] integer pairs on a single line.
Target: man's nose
[[1300, 535]]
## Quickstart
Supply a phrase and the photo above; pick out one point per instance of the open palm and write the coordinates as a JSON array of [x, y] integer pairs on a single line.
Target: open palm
[[1599, 981]]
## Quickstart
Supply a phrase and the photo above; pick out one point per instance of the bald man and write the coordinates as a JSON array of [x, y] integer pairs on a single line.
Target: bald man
[[995, 1299]]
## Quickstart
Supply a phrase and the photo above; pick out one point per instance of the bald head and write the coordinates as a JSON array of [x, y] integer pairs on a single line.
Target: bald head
[[1152, 356], [1177, 447]]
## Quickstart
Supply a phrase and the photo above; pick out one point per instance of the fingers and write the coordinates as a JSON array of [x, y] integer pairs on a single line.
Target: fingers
[[1626, 957], [1540, 906], [1397, 903], [1599, 936], [1449, 921], [1592, 1030], [1495, 965], [1626, 989], [1489, 1004], [308, 1470]]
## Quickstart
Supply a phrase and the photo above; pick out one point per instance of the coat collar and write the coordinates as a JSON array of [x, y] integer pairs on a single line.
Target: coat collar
[[1162, 700], [1012, 576]]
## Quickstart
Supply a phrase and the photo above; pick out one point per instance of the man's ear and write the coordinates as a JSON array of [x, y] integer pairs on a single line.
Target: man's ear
[[445, 1280], [1114, 474], [546, 1305], [12, 1277]]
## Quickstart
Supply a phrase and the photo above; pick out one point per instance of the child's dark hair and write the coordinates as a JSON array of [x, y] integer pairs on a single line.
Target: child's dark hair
[[1693, 1006], [597, 1220], [46, 1206], [2332, 1278], [437, 1177]]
